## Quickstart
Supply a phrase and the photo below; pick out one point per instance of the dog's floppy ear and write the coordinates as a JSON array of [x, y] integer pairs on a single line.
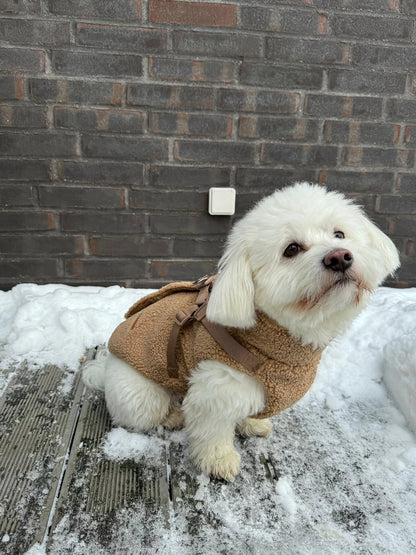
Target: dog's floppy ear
[[232, 299], [385, 245]]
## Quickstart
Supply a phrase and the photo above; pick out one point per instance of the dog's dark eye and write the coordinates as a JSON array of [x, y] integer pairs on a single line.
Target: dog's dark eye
[[339, 234], [292, 250]]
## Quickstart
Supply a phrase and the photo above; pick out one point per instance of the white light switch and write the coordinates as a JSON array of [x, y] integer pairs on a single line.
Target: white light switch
[[221, 201]]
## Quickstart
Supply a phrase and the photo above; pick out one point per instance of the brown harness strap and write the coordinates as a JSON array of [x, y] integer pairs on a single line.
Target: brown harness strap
[[197, 312]]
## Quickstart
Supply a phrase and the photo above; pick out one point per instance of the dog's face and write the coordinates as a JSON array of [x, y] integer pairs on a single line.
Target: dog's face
[[306, 257]]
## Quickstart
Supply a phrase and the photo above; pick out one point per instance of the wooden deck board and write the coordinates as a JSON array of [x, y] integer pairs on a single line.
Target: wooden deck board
[[37, 417]]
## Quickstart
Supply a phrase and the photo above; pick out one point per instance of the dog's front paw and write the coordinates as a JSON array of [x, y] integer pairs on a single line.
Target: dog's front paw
[[223, 462], [255, 427], [174, 419]]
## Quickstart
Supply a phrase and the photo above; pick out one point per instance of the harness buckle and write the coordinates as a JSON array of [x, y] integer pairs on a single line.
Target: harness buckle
[[184, 316]]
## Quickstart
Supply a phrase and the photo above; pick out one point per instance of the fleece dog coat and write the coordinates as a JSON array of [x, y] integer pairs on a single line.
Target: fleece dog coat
[[287, 371]]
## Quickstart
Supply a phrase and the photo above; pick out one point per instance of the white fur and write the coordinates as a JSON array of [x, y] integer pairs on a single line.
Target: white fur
[[299, 293]]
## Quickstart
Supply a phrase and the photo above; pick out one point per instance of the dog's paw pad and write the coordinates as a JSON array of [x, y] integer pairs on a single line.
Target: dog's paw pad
[[255, 427]]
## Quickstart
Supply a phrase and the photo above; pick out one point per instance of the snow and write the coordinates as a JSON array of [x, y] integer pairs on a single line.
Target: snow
[[55, 324], [337, 474]]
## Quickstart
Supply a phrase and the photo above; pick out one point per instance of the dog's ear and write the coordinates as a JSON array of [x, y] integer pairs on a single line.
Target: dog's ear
[[232, 299], [385, 245]]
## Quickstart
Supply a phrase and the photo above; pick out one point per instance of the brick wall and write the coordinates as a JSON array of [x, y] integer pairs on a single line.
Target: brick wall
[[118, 116]]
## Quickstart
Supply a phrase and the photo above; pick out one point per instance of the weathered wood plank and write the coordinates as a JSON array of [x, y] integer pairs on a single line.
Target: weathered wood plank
[[96, 490], [37, 414]]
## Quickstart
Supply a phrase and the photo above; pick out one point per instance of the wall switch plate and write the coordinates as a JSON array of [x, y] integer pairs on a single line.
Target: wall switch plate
[[221, 201]]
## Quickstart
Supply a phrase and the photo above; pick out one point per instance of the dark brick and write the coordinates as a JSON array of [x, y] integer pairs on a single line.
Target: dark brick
[[377, 157], [407, 183], [25, 170], [391, 56], [306, 51], [102, 172], [20, 6], [358, 181], [42, 244], [300, 22], [271, 179], [125, 38], [121, 10], [34, 32], [115, 121], [277, 102], [378, 133], [124, 147], [188, 224], [176, 270], [343, 106], [163, 96], [364, 133], [401, 110], [23, 115], [106, 270], [337, 132], [195, 98], [258, 18], [325, 105], [15, 220], [222, 152], [282, 77], [408, 7], [407, 271], [193, 13], [360, 81], [82, 63], [282, 154], [410, 135], [232, 100], [369, 27], [281, 129], [322, 156], [405, 226], [169, 200], [20, 59], [216, 44], [370, 5], [69, 91], [104, 222], [192, 70], [190, 124], [365, 107], [271, 101], [245, 201], [7, 88], [166, 68], [133, 245], [37, 144], [29, 269], [81, 197], [16, 194], [397, 204], [178, 177], [200, 248]]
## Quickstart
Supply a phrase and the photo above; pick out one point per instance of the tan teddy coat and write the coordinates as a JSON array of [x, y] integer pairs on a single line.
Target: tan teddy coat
[[288, 368]]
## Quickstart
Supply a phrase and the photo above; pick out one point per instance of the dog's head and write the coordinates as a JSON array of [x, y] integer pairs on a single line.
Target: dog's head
[[306, 257]]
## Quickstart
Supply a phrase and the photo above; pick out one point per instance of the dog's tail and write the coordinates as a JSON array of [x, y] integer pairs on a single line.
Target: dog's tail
[[93, 374]]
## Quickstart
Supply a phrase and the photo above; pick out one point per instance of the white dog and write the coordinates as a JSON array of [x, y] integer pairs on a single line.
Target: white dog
[[306, 258]]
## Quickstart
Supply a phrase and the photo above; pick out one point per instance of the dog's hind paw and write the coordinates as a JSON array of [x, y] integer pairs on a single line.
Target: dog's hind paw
[[255, 427], [174, 419]]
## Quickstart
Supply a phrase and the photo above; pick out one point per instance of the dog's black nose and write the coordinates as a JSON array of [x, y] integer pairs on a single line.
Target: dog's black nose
[[338, 260]]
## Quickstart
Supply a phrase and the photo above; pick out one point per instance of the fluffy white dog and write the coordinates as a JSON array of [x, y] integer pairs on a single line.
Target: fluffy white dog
[[306, 258]]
